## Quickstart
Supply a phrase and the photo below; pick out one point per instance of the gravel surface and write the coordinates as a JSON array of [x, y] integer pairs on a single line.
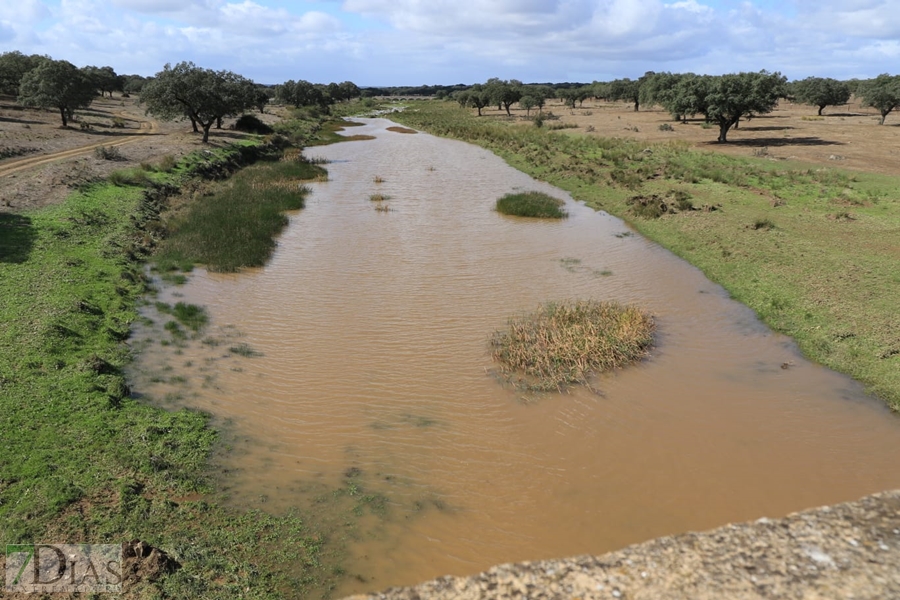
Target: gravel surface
[[849, 550]]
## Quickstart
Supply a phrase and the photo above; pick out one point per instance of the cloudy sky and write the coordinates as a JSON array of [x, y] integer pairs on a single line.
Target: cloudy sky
[[413, 42]]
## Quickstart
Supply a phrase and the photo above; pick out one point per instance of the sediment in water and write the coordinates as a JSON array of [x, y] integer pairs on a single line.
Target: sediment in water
[[849, 550]]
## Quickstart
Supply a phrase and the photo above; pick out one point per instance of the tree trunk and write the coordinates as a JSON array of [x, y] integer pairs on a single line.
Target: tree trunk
[[206, 127], [506, 106], [820, 108], [724, 126], [884, 114], [194, 123], [62, 113], [637, 105], [479, 110], [218, 122]]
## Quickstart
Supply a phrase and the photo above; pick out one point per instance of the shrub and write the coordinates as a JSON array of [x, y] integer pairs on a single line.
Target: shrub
[[118, 122], [681, 199], [666, 127], [648, 207], [136, 177], [108, 153], [166, 163], [564, 343], [531, 204], [628, 179], [252, 124], [558, 126], [764, 224]]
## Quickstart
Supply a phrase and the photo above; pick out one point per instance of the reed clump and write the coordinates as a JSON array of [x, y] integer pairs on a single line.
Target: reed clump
[[531, 204], [563, 343], [235, 226]]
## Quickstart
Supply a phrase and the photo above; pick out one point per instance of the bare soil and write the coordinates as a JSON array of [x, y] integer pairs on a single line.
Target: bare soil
[[44, 161], [845, 136]]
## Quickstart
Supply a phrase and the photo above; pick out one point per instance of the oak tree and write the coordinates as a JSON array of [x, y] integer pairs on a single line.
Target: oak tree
[[882, 93], [56, 84], [202, 95], [821, 92], [730, 97]]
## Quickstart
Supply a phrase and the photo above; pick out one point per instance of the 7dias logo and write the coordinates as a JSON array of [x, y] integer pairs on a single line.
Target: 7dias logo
[[53, 568]]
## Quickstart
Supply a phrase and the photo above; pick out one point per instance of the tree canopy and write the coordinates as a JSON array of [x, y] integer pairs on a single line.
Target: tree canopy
[[104, 79], [56, 84], [300, 93], [732, 96], [882, 93], [625, 89], [724, 99], [202, 95], [303, 93], [821, 92], [476, 96], [13, 66]]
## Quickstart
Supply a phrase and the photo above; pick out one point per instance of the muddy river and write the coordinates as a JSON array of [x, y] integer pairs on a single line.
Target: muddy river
[[358, 360]]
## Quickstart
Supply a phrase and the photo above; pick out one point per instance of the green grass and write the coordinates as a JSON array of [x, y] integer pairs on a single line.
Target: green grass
[[235, 226], [83, 460], [831, 283], [531, 204], [564, 343]]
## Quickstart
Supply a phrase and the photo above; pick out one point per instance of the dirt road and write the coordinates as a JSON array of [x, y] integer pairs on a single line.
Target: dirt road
[[15, 166]]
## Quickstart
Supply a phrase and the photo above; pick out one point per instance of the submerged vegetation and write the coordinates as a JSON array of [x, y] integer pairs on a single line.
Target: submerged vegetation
[[563, 343], [531, 204], [234, 226], [829, 283], [84, 459]]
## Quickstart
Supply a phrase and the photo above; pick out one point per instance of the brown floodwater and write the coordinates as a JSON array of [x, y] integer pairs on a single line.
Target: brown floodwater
[[374, 377]]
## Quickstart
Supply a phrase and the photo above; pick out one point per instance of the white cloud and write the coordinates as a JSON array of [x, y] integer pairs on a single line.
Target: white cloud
[[443, 41], [871, 19]]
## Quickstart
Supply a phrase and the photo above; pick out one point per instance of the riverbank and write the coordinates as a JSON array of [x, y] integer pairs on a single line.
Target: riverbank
[[812, 250], [85, 460], [849, 550]]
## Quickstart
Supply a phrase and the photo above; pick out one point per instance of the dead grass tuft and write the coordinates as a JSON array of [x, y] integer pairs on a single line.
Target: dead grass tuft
[[563, 343]]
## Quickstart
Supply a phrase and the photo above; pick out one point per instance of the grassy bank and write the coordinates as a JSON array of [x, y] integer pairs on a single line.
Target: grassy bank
[[234, 224], [83, 460], [812, 250]]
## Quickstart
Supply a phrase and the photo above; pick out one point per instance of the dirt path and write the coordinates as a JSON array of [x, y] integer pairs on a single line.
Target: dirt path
[[46, 161], [14, 166]]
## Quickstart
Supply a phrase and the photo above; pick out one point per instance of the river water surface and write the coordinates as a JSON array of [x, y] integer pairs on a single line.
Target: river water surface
[[374, 368]]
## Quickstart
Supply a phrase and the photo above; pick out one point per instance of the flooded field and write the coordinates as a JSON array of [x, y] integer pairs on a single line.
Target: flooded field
[[357, 360]]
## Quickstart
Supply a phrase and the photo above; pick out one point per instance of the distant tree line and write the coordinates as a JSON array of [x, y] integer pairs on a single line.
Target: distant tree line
[[721, 99], [186, 91], [205, 96], [303, 93]]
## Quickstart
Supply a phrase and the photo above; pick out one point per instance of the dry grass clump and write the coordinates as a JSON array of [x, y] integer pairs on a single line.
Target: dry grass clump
[[563, 343], [402, 130]]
